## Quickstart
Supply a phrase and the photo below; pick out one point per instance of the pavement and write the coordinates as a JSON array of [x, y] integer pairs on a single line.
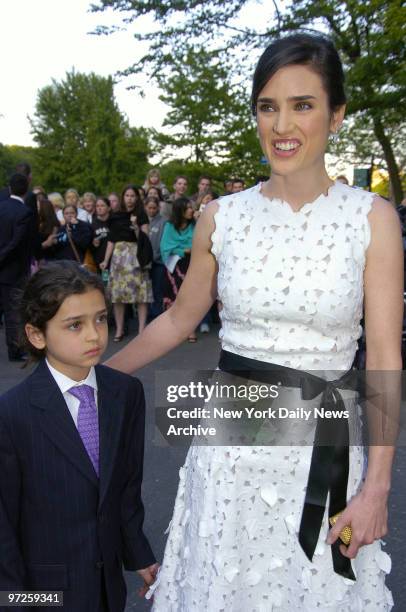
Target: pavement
[[162, 464]]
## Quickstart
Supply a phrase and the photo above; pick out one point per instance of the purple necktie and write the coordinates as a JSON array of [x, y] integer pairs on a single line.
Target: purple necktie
[[88, 422]]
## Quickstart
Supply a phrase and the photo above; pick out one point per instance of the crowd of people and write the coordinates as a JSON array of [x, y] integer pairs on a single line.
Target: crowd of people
[[139, 241]]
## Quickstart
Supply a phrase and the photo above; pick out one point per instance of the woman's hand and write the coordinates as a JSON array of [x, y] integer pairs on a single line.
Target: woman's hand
[[96, 242], [103, 265], [367, 515]]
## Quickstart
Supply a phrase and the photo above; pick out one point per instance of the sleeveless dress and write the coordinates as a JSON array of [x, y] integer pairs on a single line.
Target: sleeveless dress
[[291, 285]]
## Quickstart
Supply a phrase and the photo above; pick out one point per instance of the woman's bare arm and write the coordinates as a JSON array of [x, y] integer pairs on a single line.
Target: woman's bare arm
[[109, 252], [383, 280], [383, 322], [196, 295]]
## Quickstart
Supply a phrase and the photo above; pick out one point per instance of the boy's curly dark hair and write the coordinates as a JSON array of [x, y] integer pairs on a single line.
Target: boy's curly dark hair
[[44, 293]]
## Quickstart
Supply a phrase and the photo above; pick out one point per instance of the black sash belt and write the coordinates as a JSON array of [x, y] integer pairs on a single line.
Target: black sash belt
[[329, 465]]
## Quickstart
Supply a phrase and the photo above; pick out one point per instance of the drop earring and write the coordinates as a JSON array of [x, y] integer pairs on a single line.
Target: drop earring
[[334, 137]]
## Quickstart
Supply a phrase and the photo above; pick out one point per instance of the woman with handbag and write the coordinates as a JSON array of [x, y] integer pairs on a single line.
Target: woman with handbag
[[74, 238], [130, 252]]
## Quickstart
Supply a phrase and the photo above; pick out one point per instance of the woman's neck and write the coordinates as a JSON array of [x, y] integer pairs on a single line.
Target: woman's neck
[[299, 188]]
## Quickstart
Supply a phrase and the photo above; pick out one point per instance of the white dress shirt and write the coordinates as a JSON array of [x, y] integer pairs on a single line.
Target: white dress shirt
[[65, 383]]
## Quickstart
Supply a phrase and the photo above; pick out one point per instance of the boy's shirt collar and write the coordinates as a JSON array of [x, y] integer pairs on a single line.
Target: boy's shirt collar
[[65, 383]]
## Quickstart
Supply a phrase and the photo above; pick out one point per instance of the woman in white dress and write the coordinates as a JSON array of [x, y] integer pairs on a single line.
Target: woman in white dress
[[293, 260]]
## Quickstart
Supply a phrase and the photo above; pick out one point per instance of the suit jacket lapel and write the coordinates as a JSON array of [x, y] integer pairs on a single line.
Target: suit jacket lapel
[[111, 413], [56, 421]]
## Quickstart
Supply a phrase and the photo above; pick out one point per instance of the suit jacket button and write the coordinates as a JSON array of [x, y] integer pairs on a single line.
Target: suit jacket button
[[99, 564]]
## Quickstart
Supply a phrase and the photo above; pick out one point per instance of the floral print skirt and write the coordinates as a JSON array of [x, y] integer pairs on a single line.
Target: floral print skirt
[[128, 284]]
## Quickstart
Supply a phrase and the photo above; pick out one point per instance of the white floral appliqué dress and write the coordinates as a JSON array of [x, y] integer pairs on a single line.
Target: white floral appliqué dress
[[291, 284]]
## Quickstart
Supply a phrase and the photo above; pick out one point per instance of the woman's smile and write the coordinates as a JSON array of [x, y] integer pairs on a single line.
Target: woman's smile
[[286, 147]]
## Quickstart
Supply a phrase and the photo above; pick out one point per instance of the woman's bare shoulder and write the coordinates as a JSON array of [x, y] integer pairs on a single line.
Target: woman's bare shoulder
[[207, 218], [383, 216]]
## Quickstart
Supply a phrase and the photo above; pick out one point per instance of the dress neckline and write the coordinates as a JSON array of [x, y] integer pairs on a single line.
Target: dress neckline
[[306, 206]]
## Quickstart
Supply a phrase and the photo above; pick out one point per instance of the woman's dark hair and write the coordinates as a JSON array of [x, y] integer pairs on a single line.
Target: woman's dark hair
[[152, 199], [201, 197], [75, 208], [179, 207], [315, 51], [158, 189], [104, 199], [138, 199], [47, 219], [45, 292]]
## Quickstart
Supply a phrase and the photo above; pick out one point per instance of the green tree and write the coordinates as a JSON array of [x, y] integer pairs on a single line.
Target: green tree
[[369, 35], [6, 164], [83, 139], [133, 150], [204, 120], [198, 92], [10, 156]]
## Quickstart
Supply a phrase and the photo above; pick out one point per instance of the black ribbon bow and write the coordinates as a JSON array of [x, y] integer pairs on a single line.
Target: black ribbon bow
[[329, 466]]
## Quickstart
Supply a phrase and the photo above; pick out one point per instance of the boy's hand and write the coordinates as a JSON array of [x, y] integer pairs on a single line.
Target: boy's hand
[[148, 575]]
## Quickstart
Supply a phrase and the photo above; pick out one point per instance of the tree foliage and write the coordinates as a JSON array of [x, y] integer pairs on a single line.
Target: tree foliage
[[197, 91], [10, 156], [369, 35], [206, 111], [83, 139]]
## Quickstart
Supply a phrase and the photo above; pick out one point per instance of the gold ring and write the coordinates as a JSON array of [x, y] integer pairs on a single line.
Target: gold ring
[[345, 533]]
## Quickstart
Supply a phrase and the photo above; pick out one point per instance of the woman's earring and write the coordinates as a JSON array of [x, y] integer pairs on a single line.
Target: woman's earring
[[334, 137]]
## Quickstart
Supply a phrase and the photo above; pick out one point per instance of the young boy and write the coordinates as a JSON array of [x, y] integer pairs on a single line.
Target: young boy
[[71, 454]]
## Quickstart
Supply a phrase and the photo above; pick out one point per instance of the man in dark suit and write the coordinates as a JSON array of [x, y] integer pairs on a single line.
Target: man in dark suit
[[15, 229], [71, 512], [30, 200]]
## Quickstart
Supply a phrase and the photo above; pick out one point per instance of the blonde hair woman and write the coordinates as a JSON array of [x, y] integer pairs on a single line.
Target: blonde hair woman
[[57, 202], [153, 179]]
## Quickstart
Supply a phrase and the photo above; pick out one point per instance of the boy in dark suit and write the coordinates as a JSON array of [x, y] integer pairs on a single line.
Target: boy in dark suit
[[71, 454]]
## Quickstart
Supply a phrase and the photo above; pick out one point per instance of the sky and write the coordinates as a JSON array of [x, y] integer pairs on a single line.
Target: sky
[[43, 39]]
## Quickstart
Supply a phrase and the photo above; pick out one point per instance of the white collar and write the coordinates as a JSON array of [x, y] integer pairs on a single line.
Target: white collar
[[17, 198], [65, 383]]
